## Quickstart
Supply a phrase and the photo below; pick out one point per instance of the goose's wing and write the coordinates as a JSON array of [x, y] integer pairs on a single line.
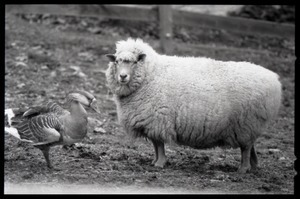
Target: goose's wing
[[50, 107], [13, 114], [39, 130]]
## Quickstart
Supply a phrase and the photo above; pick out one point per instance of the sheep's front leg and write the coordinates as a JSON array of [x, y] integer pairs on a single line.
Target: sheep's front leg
[[245, 159], [160, 157]]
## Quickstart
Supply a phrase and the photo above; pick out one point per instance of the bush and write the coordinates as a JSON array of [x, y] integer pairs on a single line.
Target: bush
[[280, 13]]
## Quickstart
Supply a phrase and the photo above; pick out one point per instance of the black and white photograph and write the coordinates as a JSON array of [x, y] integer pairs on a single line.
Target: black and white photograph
[[149, 99]]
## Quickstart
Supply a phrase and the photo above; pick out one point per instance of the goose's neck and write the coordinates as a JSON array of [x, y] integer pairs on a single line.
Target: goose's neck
[[77, 110], [76, 123]]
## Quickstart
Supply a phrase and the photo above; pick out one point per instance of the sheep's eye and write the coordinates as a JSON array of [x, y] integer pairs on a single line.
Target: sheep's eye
[[116, 61], [135, 62]]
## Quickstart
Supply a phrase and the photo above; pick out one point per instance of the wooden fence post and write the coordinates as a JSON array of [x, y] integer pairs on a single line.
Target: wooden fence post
[[165, 28]]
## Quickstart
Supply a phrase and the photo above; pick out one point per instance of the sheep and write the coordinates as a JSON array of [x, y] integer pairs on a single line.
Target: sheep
[[194, 101]]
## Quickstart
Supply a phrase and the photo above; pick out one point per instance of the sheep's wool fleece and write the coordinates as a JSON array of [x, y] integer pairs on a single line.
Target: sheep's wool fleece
[[195, 101]]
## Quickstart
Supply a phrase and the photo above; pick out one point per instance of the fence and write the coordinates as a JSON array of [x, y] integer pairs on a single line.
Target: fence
[[166, 17]]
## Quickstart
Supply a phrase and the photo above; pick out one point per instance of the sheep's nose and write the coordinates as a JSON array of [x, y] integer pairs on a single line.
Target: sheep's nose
[[123, 76]]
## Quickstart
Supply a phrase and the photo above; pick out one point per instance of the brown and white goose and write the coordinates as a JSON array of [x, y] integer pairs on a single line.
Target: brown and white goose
[[50, 124]]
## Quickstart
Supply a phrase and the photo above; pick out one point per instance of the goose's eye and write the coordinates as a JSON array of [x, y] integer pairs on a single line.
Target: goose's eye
[[135, 62]]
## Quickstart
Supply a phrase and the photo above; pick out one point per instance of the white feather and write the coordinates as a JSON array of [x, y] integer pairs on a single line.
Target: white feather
[[10, 114], [14, 132]]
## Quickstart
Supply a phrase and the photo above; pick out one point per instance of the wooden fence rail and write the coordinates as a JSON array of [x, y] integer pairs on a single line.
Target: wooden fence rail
[[165, 15]]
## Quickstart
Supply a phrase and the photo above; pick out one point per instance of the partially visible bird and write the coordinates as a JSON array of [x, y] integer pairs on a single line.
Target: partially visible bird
[[49, 124]]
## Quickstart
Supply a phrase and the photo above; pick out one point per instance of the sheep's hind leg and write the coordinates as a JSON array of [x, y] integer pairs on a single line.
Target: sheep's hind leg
[[156, 152], [161, 158], [245, 160], [253, 159]]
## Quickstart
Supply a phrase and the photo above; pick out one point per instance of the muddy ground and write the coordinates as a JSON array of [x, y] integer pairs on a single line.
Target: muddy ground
[[46, 56]]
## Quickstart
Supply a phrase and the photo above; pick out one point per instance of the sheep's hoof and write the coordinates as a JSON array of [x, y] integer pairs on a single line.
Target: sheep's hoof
[[253, 169], [160, 164], [254, 166], [243, 170], [153, 162]]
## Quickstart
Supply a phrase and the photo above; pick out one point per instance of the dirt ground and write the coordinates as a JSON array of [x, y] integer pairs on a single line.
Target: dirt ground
[[46, 56]]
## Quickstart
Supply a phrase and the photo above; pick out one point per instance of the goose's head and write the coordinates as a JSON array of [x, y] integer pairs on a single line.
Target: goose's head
[[85, 98]]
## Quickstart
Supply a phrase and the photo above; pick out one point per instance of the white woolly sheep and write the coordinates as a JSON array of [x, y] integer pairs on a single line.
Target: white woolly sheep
[[198, 102]]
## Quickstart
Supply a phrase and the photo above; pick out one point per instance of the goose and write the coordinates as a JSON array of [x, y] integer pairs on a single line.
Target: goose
[[49, 125]]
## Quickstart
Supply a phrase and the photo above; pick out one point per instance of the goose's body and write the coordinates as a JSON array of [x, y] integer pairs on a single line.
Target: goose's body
[[50, 124]]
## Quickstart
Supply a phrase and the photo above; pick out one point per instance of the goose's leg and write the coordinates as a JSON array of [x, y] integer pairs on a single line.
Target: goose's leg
[[45, 150]]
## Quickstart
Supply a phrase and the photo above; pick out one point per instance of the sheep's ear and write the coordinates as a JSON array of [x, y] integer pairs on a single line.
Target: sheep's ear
[[111, 57], [141, 57]]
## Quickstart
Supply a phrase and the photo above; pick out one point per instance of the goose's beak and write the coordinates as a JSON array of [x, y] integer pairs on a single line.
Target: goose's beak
[[94, 105]]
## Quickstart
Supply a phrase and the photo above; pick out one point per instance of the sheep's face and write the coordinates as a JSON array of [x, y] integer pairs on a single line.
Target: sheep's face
[[124, 67], [124, 70]]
